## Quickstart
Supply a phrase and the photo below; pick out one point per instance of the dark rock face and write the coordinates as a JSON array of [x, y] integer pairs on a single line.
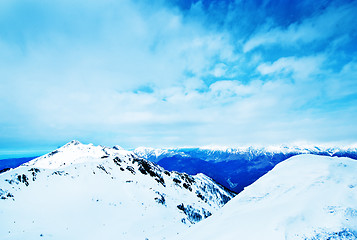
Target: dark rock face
[[160, 199], [23, 178], [131, 169], [5, 194], [34, 172], [193, 215], [101, 167], [117, 161], [4, 170], [177, 181], [146, 167], [52, 153]]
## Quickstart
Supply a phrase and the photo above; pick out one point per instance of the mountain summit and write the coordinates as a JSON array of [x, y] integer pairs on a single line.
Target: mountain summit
[[88, 192]]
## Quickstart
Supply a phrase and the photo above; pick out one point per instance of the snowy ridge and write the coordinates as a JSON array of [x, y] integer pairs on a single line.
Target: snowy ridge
[[75, 152], [145, 151], [283, 147], [88, 192], [153, 154], [304, 197], [273, 149]]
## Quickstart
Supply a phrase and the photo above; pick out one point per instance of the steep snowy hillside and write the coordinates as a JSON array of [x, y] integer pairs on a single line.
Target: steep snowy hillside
[[235, 168], [304, 197], [92, 192]]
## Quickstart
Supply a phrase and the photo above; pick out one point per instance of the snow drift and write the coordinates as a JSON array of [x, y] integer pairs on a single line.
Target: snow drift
[[304, 197]]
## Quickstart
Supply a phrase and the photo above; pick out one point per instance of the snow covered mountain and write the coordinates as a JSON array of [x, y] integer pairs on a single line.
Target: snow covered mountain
[[93, 192], [235, 168], [305, 197], [220, 154]]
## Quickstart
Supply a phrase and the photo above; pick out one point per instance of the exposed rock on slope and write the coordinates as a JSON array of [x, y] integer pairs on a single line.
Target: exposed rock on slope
[[89, 192]]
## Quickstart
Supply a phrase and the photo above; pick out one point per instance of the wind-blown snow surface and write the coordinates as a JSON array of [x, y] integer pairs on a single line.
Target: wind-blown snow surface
[[92, 192], [304, 197]]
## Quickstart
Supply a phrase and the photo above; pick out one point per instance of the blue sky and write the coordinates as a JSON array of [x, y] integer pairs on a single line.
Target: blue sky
[[177, 73]]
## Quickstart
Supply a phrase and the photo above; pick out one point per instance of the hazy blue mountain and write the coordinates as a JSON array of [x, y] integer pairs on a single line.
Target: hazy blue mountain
[[234, 168], [13, 162]]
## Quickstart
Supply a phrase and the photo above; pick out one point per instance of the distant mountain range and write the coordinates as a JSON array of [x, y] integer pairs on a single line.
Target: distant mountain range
[[234, 168]]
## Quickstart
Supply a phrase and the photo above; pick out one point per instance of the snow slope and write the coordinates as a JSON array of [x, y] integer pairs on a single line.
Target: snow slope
[[93, 192], [304, 197]]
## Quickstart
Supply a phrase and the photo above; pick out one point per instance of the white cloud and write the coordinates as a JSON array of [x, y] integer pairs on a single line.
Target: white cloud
[[344, 83], [332, 21], [301, 68], [124, 45], [122, 72], [219, 70]]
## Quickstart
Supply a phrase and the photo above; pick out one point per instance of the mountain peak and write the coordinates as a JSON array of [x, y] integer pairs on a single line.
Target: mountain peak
[[82, 185], [117, 147], [73, 143], [75, 152]]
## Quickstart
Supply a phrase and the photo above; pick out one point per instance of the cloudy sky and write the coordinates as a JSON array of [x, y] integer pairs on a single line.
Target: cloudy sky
[[177, 72]]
